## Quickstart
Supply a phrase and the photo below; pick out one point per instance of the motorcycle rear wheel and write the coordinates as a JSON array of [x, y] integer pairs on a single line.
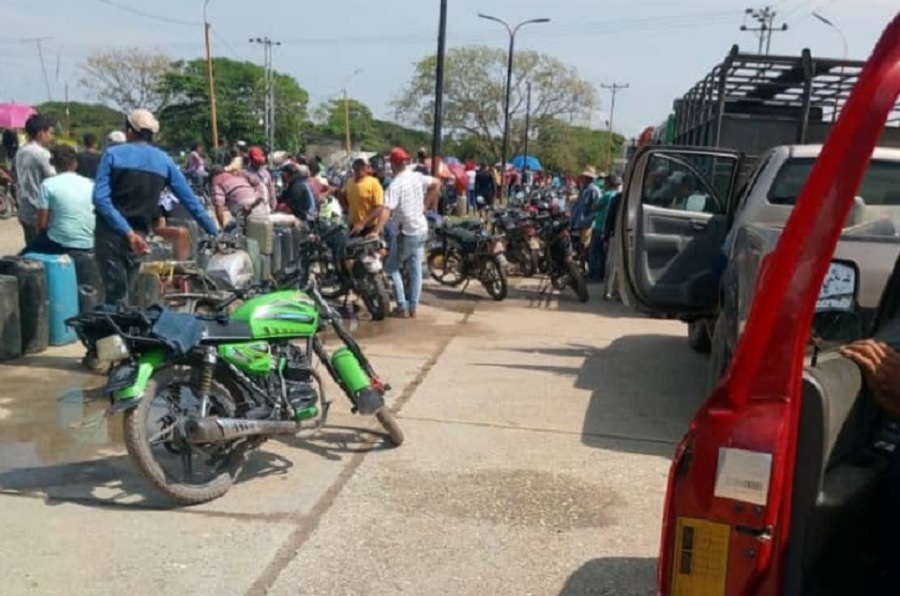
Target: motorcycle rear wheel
[[446, 268], [377, 298], [577, 281], [493, 278], [389, 422], [6, 205], [139, 448]]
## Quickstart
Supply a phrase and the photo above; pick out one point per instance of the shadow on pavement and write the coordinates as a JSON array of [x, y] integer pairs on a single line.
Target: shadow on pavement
[[650, 413], [613, 576], [334, 441], [114, 481]]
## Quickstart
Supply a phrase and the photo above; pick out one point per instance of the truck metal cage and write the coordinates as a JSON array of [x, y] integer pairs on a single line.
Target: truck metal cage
[[753, 102]]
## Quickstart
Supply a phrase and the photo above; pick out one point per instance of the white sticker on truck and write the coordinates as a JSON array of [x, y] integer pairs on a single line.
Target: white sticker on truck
[[743, 475]]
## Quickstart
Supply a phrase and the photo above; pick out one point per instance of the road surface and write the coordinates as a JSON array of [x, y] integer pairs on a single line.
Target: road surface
[[539, 433]]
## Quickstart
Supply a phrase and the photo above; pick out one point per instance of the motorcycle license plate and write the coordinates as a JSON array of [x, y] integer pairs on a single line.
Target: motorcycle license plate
[[534, 244], [121, 377]]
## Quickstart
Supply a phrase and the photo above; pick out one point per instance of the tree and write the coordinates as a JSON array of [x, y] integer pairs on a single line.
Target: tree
[[331, 117], [566, 148], [240, 93], [83, 118], [126, 78], [474, 92]]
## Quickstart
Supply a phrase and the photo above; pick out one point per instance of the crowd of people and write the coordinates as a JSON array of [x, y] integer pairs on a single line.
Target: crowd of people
[[110, 201]]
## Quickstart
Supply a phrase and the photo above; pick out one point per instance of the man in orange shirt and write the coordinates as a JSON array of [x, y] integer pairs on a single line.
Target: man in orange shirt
[[364, 199]]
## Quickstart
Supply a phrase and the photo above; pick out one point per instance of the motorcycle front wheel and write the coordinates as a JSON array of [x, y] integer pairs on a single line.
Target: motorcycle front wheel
[[389, 422], [185, 472], [493, 278]]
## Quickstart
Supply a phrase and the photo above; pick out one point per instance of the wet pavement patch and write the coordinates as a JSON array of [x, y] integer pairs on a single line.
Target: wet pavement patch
[[510, 497]]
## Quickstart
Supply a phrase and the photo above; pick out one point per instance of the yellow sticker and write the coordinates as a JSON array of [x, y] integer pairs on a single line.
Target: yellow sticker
[[700, 559]]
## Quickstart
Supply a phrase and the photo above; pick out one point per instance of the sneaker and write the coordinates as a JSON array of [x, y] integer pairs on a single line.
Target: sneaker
[[412, 313], [399, 313]]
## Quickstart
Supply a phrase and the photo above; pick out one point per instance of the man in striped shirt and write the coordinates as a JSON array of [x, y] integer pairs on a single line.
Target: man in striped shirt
[[406, 199]]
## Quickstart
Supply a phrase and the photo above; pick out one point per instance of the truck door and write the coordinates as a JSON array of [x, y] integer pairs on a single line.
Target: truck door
[[675, 219]]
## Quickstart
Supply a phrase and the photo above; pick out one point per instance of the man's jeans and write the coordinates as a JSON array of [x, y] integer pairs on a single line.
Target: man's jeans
[[596, 258], [408, 251], [29, 230], [118, 266]]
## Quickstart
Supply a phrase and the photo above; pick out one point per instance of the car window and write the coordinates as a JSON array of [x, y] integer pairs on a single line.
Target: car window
[[748, 186], [688, 182], [880, 185]]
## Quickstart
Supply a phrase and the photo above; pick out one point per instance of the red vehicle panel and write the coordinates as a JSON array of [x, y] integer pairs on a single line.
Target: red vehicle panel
[[754, 412]]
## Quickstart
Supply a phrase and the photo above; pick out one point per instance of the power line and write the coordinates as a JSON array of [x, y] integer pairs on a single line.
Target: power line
[[228, 46], [148, 15]]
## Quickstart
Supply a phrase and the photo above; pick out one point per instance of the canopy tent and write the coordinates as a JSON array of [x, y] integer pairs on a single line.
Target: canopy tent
[[529, 162], [14, 115]]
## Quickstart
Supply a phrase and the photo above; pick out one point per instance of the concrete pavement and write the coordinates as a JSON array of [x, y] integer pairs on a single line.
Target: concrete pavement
[[538, 441]]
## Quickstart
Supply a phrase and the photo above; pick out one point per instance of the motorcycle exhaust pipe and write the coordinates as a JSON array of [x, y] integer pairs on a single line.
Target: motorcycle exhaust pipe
[[216, 430]]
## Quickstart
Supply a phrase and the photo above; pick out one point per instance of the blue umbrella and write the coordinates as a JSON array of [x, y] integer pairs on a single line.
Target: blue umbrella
[[529, 163], [450, 161]]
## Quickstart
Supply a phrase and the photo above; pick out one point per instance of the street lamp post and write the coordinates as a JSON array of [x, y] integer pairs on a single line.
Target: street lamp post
[[833, 25], [509, 67]]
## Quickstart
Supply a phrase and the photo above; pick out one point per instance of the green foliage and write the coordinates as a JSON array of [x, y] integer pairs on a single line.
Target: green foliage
[[240, 92], [474, 91], [567, 148], [83, 118]]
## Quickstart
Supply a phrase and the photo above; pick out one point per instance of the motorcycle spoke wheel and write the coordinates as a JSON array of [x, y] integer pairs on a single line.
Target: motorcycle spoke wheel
[[446, 268], [153, 431], [388, 421], [493, 278]]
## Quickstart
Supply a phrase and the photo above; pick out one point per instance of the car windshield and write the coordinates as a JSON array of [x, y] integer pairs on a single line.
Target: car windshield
[[880, 186]]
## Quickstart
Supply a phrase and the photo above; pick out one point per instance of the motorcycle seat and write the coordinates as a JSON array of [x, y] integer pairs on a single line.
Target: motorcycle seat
[[464, 237], [220, 331]]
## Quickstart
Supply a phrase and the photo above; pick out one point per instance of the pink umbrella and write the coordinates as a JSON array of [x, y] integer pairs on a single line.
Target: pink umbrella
[[14, 115]]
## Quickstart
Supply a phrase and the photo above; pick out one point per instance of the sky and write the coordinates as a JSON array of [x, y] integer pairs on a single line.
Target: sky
[[660, 48]]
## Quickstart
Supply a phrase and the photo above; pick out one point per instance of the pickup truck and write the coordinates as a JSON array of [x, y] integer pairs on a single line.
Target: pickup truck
[[700, 218], [694, 244]]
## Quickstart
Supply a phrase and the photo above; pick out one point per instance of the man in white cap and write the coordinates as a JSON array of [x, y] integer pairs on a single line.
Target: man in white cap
[[116, 137], [130, 180]]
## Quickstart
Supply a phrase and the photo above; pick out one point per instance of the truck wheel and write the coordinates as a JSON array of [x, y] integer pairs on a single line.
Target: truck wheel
[[698, 336], [719, 358]]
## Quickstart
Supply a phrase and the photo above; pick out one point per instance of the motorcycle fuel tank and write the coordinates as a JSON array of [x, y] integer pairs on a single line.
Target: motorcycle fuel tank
[[286, 314]]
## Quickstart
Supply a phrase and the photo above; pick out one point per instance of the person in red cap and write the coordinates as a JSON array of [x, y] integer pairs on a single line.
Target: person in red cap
[[256, 165], [406, 199]]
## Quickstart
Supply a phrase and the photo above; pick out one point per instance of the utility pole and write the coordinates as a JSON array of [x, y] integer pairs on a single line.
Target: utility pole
[[269, 84], [210, 82], [40, 48], [765, 19], [527, 122], [439, 90], [347, 122], [614, 88]]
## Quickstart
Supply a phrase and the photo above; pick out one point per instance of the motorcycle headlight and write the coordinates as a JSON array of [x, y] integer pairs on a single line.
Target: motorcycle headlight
[[112, 349]]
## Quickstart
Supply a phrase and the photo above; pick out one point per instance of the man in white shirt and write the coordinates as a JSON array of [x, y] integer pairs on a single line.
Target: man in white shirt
[[407, 199], [32, 168]]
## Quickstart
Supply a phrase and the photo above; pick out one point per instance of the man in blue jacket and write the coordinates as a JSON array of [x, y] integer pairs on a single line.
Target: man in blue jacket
[[130, 179]]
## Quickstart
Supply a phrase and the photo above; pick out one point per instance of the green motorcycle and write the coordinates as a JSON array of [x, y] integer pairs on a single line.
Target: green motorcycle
[[199, 392]]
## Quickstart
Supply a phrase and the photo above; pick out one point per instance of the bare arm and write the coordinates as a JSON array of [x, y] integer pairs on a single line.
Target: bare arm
[[432, 194], [43, 219]]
